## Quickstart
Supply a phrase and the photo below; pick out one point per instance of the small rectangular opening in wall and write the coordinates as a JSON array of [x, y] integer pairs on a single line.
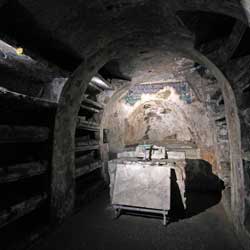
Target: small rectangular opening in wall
[[105, 135], [221, 102], [221, 119], [12, 153]]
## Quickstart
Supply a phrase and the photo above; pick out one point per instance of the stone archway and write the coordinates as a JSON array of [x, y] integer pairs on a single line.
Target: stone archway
[[63, 151], [237, 175], [63, 157], [62, 195]]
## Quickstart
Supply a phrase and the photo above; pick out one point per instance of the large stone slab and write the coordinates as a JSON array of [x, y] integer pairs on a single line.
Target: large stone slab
[[178, 166], [176, 155], [140, 186], [126, 154]]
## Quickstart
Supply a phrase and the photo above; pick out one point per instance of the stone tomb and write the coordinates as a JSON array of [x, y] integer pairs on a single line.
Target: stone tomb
[[144, 185]]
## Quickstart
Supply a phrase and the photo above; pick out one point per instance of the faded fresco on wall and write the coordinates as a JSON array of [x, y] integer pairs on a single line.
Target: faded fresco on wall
[[182, 89]]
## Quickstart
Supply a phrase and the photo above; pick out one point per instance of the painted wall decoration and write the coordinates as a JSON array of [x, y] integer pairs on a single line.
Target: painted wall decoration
[[182, 88]]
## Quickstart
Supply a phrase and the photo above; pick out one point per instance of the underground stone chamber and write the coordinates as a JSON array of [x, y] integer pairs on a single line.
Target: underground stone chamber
[[82, 83], [176, 115]]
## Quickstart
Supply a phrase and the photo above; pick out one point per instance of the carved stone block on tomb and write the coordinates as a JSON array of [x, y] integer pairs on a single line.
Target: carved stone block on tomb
[[150, 152], [176, 155]]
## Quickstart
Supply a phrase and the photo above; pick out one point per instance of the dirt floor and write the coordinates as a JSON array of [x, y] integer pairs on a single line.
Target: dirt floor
[[203, 227]]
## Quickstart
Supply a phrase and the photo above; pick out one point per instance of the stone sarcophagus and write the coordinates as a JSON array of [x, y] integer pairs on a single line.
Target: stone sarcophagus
[[145, 185], [139, 186]]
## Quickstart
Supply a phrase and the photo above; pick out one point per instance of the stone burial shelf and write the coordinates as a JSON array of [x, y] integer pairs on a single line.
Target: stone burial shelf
[[16, 211], [88, 162], [21, 171], [145, 185]]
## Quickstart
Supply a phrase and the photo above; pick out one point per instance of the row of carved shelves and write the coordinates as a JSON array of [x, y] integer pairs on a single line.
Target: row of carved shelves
[[84, 144]]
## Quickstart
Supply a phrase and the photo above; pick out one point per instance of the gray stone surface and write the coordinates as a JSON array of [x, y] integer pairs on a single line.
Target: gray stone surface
[[140, 186], [178, 166], [126, 154], [176, 155]]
